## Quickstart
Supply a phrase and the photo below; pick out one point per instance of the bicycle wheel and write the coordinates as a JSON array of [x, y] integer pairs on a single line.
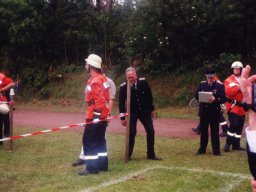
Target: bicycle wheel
[[193, 104]]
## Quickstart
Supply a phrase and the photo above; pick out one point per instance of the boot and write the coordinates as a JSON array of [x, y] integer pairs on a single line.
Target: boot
[[86, 172], [78, 162], [226, 148], [237, 146]]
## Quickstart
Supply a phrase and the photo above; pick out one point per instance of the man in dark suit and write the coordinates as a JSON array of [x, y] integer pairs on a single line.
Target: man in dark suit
[[246, 88], [209, 111], [141, 108]]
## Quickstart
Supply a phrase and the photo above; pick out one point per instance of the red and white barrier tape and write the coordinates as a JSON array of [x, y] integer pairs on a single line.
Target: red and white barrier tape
[[60, 128]]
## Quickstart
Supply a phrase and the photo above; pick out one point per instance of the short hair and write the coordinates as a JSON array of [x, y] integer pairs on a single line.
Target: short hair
[[98, 70], [130, 69]]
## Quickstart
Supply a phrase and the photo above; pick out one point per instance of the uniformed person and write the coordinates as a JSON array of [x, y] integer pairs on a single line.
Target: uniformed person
[[112, 95], [209, 111], [236, 112], [97, 96], [223, 123], [141, 108]]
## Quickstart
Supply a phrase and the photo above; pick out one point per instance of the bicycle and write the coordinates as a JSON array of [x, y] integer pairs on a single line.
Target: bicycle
[[193, 104]]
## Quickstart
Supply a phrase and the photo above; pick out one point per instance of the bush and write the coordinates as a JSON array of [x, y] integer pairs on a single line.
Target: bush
[[34, 78], [182, 97]]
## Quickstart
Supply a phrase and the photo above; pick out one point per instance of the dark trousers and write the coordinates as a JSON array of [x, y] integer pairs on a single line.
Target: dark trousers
[[93, 143], [102, 150], [251, 161], [1, 127], [223, 123], [236, 124], [4, 126], [147, 122], [213, 121]]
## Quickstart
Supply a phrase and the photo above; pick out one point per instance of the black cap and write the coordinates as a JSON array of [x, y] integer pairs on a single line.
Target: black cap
[[210, 72]]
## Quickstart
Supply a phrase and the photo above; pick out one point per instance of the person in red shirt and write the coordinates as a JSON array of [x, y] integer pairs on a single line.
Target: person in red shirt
[[97, 97], [5, 84], [236, 112]]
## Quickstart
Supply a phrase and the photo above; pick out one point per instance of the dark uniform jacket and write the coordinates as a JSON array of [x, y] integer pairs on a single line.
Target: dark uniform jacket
[[141, 98], [218, 92]]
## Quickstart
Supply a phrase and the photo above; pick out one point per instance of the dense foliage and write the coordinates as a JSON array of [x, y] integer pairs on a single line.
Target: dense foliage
[[38, 37]]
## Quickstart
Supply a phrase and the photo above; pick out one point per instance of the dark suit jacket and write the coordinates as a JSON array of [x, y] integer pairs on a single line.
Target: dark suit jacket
[[141, 98], [218, 90]]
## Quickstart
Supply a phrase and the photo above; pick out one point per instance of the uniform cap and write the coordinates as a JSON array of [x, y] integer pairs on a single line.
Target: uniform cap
[[237, 64], [210, 73], [94, 60]]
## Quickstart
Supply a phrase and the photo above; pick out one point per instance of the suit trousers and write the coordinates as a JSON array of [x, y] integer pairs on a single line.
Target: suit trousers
[[213, 121], [147, 122]]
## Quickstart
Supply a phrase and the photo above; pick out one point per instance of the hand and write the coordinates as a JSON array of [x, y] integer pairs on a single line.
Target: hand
[[212, 99], [11, 102], [246, 88], [152, 114], [253, 184], [123, 122]]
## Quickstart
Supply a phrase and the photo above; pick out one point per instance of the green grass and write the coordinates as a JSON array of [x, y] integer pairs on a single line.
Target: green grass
[[43, 163]]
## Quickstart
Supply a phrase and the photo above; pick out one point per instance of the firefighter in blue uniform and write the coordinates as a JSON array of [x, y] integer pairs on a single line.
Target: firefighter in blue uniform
[[209, 112], [142, 108]]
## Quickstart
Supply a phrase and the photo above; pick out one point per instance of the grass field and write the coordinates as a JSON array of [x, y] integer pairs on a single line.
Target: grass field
[[43, 163]]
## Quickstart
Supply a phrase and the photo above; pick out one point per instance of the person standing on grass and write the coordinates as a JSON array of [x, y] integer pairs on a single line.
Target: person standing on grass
[[5, 84], [112, 95], [245, 83], [236, 112], [142, 108], [223, 123], [209, 112], [97, 96]]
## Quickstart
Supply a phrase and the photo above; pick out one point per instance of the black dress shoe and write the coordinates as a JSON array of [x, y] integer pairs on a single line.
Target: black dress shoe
[[197, 131], [78, 163], [217, 154], [86, 172], [155, 158], [200, 153], [104, 169]]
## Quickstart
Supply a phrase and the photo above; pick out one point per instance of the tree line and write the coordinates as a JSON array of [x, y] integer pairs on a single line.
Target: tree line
[[40, 36]]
